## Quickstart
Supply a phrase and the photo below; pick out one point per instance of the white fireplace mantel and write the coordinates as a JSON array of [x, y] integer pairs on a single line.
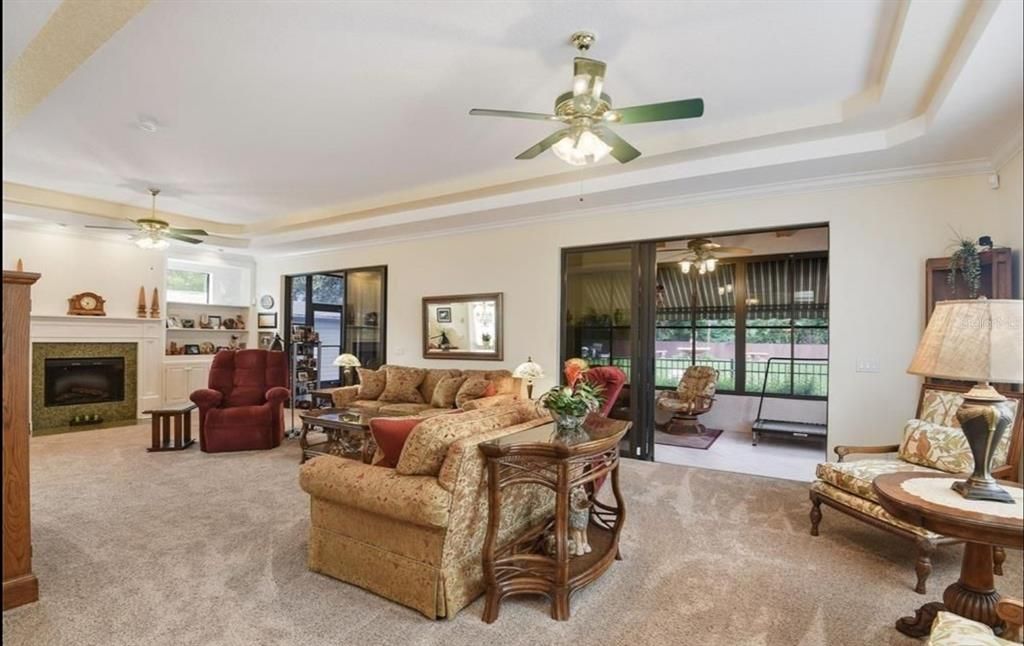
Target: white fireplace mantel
[[146, 333]]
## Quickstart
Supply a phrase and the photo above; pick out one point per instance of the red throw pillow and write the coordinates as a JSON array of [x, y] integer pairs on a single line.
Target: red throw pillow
[[390, 434], [492, 390]]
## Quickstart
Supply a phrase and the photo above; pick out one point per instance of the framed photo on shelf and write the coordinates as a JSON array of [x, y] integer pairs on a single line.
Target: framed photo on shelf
[[266, 320], [191, 348], [302, 375], [214, 322], [173, 322], [188, 324]]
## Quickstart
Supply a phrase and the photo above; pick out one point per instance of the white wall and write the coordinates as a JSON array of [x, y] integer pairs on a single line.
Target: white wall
[[880, 237], [71, 264]]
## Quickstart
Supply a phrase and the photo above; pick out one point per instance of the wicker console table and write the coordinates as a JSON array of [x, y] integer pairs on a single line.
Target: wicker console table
[[534, 458]]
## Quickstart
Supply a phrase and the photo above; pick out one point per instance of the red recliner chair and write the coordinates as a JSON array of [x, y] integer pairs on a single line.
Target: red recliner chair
[[611, 380], [243, 409]]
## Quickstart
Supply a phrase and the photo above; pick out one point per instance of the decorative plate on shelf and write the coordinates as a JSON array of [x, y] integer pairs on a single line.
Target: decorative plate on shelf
[[266, 301]]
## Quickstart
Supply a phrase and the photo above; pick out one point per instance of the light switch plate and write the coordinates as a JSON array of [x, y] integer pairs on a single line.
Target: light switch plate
[[868, 365]]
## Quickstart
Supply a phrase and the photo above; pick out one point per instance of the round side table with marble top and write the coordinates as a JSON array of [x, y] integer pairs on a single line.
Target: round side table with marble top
[[926, 500]]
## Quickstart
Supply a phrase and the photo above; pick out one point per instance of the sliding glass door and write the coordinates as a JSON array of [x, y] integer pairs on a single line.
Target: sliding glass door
[[346, 309], [603, 299]]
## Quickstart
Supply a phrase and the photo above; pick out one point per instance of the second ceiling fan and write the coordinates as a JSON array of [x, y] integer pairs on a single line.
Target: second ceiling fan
[[587, 111]]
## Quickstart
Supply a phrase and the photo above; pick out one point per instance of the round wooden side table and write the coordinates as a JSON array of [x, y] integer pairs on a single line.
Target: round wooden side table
[[982, 524]]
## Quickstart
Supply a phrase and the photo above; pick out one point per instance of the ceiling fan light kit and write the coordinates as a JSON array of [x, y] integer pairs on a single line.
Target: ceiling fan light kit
[[153, 233], [586, 111], [700, 253]]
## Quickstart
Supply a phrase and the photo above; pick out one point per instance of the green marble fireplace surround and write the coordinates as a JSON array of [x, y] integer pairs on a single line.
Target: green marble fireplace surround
[[47, 417]]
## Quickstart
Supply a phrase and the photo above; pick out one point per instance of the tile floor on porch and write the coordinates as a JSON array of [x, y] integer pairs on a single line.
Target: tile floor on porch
[[733, 451]]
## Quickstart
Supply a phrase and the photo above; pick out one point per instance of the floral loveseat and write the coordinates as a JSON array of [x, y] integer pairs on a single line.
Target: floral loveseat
[[394, 391], [931, 442], [414, 534]]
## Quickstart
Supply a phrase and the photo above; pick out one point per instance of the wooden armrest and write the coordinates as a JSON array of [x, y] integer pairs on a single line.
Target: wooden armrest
[[1012, 612], [843, 451]]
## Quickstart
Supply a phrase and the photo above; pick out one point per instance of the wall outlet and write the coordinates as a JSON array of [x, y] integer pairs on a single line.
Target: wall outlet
[[868, 365], [399, 351]]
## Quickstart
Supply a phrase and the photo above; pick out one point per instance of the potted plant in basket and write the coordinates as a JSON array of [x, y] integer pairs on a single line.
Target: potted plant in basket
[[569, 405]]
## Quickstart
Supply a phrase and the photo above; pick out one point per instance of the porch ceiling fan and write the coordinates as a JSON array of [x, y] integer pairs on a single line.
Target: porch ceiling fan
[[586, 112], [152, 232], [702, 254]]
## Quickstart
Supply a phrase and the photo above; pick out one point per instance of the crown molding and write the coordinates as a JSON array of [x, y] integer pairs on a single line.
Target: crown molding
[[963, 168], [1009, 149]]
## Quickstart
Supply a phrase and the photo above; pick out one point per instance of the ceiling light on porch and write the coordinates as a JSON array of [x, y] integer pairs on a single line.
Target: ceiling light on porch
[[703, 266]]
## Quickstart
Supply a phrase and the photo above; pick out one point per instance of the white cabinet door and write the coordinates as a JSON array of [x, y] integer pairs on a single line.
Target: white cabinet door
[[176, 384], [198, 377]]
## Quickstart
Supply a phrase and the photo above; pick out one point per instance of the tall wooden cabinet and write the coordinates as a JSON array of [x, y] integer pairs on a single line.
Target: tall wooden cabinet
[[20, 585]]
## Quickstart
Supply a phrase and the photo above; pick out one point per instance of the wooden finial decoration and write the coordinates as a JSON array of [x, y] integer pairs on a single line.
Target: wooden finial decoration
[[141, 310], [20, 266], [154, 311]]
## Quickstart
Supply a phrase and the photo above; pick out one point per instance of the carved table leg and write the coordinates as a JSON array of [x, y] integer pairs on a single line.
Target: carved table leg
[[921, 623], [815, 514], [973, 596]]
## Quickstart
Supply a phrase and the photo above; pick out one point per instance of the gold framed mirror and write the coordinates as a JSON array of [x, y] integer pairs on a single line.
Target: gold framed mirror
[[467, 326]]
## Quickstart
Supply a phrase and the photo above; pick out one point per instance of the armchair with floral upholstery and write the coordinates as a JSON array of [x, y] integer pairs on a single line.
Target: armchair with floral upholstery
[[932, 442], [692, 398]]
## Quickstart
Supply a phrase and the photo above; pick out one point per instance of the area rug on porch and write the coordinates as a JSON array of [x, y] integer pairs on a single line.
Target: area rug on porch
[[192, 549], [688, 440]]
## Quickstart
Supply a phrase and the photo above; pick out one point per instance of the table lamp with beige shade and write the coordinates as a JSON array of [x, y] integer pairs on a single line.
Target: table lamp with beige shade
[[346, 362], [529, 371], [981, 341]]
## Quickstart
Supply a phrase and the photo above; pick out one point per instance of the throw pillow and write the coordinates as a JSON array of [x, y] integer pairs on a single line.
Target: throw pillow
[[940, 447], [428, 444], [371, 383], [501, 399], [504, 384], [472, 388], [403, 384], [434, 376], [390, 434], [445, 392]]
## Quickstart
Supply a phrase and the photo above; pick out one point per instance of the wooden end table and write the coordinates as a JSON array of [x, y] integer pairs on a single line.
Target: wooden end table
[[181, 416], [347, 434], [978, 523], [534, 457]]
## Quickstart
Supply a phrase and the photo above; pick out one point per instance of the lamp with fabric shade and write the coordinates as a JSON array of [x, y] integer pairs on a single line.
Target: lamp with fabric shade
[[981, 341], [530, 371], [346, 362]]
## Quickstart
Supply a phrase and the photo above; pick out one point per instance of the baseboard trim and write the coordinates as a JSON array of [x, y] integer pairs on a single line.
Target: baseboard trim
[[20, 590]]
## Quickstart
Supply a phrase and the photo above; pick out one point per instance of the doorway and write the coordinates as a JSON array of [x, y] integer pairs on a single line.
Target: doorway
[[750, 308]]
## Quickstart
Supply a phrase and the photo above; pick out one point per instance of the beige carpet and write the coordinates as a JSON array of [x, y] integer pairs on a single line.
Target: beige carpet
[[188, 548]]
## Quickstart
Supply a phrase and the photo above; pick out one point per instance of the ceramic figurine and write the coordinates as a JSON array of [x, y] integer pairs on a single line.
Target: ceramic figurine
[[579, 519]]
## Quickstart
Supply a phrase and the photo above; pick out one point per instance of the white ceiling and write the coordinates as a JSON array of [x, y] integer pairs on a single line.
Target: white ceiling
[[284, 122]]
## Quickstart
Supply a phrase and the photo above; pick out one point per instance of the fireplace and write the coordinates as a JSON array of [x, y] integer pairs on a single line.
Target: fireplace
[[87, 380], [83, 379]]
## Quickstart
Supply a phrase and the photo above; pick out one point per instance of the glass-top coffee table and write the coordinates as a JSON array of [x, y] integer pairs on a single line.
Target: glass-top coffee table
[[346, 434]]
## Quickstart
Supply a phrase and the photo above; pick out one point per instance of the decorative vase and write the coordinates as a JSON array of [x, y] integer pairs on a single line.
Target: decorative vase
[[569, 428]]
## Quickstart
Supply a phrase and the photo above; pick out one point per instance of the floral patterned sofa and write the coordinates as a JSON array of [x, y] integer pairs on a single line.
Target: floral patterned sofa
[[400, 390], [414, 534], [932, 441]]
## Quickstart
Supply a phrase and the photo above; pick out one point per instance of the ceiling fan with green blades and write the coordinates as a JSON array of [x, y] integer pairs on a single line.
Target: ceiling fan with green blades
[[152, 232], [587, 111]]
